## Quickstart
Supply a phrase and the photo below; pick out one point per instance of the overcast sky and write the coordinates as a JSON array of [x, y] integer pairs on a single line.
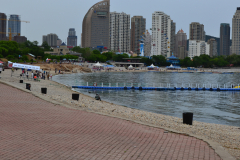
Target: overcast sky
[[57, 16]]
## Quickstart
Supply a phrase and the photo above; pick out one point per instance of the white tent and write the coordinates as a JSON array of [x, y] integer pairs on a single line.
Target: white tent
[[98, 64], [130, 66], [152, 66], [16, 65]]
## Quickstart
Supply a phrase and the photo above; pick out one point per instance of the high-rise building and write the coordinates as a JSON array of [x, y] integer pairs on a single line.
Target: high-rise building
[[181, 44], [236, 32], [213, 47], [14, 25], [196, 31], [225, 39], [3, 26], [208, 37], [138, 28], [20, 39], [119, 32], [72, 38], [59, 42], [44, 38], [95, 26], [161, 34], [197, 48], [173, 33], [147, 40], [51, 39]]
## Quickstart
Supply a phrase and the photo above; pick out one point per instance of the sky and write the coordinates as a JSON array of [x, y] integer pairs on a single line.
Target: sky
[[57, 16]]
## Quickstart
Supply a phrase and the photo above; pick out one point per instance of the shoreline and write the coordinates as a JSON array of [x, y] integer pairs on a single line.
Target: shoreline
[[214, 134]]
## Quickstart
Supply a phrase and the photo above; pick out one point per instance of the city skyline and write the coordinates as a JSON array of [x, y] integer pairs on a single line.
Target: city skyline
[[51, 20]]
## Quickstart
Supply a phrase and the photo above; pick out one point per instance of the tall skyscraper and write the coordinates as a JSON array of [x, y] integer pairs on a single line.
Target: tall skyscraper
[[95, 26], [14, 25], [236, 32], [119, 32], [3, 26], [51, 39], [181, 44], [213, 47], [196, 31], [225, 39], [161, 34], [173, 33], [147, 40], [138, 27], [72, 38]]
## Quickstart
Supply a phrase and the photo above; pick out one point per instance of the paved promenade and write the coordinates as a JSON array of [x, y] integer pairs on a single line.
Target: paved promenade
[[31, 128]]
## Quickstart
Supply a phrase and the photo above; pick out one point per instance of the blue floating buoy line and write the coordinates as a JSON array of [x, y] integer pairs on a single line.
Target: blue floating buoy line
[[158, 88]]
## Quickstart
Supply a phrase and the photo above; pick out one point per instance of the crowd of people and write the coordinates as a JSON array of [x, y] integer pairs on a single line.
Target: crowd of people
[[36, 75]]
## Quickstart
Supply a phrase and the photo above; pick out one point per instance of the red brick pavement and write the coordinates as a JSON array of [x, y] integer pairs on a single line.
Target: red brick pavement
[[31, 128]]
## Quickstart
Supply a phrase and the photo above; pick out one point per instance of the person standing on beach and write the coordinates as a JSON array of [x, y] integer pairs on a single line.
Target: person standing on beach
[[32, 75], [27, 75], [51, 76], [48, 76], [97, 97]]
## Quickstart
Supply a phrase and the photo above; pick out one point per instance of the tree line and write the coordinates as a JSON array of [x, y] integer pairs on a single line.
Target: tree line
[[11, 50]]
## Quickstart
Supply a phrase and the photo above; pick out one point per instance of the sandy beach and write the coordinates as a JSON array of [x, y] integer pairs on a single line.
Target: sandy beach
[[220, 137]]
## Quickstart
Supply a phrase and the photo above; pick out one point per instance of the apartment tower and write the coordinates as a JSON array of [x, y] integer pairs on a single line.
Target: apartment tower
[[3, 26], [161, 34], [72, 38], [225, 39], [213, 47], [138, 27], [119, 32], [14, 25], [196, 31], [236, 32], [51, 39], [95, 26], [173, 33], [181, 44]]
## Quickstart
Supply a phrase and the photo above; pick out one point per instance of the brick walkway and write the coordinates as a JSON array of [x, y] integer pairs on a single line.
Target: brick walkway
[[31, 128]]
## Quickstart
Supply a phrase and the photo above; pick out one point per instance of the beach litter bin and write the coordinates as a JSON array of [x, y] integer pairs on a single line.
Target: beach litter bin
[[187, 118], [44, 90], [28, 86], [75, 96], [21, 81]]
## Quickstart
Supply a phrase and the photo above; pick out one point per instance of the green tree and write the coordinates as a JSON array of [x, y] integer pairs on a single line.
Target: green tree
[[119, 57], [109, 55], [186, 62], [159, 60], [1, 56], [24, 58], [96, 52], [146, 61], [46, 46], [10, 57]]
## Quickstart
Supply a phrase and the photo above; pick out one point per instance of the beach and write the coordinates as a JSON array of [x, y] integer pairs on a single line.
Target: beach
[[219, 137]]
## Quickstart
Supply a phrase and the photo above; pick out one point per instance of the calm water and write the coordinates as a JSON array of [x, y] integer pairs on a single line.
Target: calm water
[[207, 106]]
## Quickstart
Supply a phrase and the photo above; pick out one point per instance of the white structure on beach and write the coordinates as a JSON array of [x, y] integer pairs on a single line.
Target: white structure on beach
[[197, 48]]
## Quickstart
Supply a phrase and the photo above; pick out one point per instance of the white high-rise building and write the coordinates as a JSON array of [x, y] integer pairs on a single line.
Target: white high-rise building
[[236, 32], [119, 32], [197, 48], [161, 34]]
